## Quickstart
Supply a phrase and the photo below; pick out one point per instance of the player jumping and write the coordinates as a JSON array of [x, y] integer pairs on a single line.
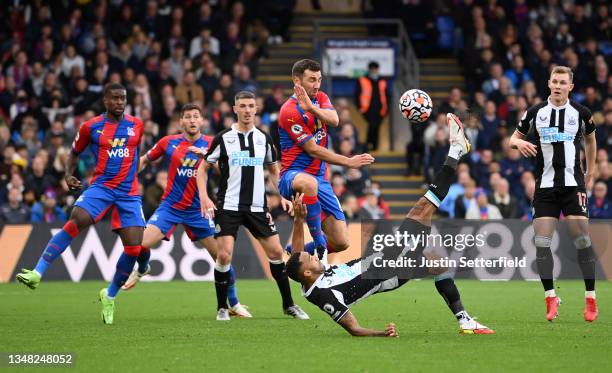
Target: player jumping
[[180, 202], [303, 122], [114, 137], [559, 125], [335, 288]]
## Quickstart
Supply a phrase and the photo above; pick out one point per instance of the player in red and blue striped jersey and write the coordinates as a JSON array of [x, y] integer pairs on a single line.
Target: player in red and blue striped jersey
[[180, 201], [114, 138], [303, 122]]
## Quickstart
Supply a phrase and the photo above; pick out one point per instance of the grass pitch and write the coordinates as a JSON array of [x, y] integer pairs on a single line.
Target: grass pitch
[[170, 327]]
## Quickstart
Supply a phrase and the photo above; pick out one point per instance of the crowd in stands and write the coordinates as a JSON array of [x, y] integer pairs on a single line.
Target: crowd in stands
[[507, 49], [56, 57]]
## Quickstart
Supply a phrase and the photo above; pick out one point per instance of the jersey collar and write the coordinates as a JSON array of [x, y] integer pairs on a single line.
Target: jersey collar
[[107, 119], [235, 128], [558, 107], [191, 141]]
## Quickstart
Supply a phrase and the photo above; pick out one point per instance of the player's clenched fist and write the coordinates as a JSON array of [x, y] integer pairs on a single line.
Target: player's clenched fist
[[74, 184], [391, 330]]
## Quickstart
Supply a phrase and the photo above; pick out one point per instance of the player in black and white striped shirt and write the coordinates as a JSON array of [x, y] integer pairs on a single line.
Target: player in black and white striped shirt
[[559, 126], [335, 288], [242, 153]]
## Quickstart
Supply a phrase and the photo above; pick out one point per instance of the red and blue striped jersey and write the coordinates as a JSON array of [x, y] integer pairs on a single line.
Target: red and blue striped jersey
[[295, 127], [181, 189], [115, 145]]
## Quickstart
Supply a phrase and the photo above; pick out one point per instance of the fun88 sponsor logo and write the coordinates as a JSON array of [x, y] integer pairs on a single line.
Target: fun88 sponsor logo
[[242, 158]]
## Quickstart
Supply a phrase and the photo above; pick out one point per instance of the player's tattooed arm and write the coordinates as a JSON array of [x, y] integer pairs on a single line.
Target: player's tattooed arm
[[350, 324], [74, 184], [324, 154], [274, 176], [207, 207]]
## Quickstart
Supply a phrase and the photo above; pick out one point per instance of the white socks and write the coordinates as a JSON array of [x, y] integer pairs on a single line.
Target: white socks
[[550, 293], [589, 294], [455, 151]]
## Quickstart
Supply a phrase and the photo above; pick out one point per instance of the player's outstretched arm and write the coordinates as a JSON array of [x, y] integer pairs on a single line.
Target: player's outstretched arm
[[299, 214], [324, 154], [350, 324], [207, 207], [527, 149]]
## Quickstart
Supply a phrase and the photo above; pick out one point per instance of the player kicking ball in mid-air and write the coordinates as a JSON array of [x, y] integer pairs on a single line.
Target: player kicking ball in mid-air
[[335, 288], [243, 152], [114, 137], [559, 125], [303, 121], [180, 201]]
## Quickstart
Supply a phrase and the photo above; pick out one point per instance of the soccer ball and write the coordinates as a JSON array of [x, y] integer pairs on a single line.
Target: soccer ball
[[415, 105]]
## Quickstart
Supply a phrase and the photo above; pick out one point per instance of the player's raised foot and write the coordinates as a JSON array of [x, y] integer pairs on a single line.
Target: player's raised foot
[[240, 310], [590, 310], [552, 307], [108, 307], [135, 277], [471, 326], [223, 314], [457, 135], [296, 312], [29, 278]]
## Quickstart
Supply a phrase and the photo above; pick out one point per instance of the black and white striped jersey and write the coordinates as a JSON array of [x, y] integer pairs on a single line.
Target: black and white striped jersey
[[558, 132], [242, 157], [342, 285]]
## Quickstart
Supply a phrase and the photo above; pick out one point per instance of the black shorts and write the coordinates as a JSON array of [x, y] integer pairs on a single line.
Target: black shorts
[[260, 224], [550, 202]]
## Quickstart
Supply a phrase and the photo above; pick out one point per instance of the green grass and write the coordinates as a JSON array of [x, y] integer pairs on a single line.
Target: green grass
[[170, 327]]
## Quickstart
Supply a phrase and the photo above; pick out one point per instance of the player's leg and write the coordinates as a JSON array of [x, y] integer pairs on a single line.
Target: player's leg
[[89, 207], [128, 221], [160, 226], [262, 227], [418, 221], [334, 225], [227, 223], [203, 231], [274, 251], [151, 237], [544, 227], [309, 185], [575, 210]]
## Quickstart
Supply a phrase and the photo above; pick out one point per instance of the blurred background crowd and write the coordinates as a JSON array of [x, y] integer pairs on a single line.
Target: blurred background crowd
[[55, 58]]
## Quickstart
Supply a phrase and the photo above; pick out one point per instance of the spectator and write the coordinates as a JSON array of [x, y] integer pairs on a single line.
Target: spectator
[[14, 211], [372, 97], [350, 207], [482, 209], [600, 206], [39, 179], [465, 200], [47, 210], [370, 209], [501, 198], [452, 103], [189, 91]]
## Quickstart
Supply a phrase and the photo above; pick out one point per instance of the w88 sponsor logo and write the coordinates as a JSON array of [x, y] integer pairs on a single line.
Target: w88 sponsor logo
[[119, 153], [188, 172]]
